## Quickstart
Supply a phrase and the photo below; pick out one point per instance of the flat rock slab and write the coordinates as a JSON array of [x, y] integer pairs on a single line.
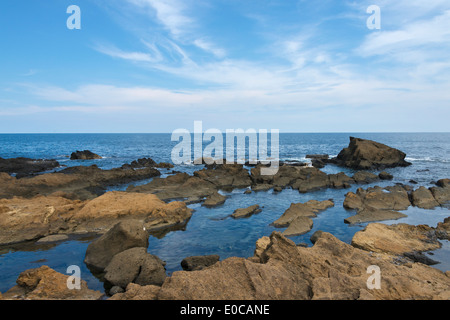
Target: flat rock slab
[[246, 212], [298, 226]]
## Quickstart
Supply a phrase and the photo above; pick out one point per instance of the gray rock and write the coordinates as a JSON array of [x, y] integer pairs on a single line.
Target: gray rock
[[135, 265], [124, 235]]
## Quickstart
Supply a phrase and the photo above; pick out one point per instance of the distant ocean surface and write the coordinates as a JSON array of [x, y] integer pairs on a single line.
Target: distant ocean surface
[[207, 232]]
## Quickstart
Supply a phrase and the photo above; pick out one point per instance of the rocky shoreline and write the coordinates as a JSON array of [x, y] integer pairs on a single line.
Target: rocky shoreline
[[75, 201]]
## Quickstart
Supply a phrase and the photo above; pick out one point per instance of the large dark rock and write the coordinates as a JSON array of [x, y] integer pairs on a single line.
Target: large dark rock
[[367, 154], [135, 265], [23, 167], [84, 155], [124, 235]]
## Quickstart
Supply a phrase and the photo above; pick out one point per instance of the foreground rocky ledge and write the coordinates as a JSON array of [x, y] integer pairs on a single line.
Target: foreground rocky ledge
[[330, 269]]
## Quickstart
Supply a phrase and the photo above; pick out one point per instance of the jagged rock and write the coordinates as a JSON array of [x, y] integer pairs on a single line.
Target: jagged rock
[[195, 263], [84, 155], [45, 283], [135, 265], [124, 235], [366, 154], [246, 212], [330, 269]]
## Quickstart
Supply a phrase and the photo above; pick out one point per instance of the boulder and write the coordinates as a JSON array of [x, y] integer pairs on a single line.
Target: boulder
[[84, 155], [45, 283], [367, 154], [135, 265], [214, 200], [198, 262], [124, 235], [423, 198], [246, 212]]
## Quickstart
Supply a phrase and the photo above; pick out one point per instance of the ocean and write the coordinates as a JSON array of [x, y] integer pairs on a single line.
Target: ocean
[[209, 231]]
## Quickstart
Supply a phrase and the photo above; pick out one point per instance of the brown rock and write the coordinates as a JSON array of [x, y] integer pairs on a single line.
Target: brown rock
[[124, 235], [214, 200], [246, 212], [104, 211], [376, 204], [137, 292], [45, 283], [198, 262], [178, 186], [423, 198], [84, 155], [396, 239], [308, 209], [330, 269], [298, 226], [366, 154]]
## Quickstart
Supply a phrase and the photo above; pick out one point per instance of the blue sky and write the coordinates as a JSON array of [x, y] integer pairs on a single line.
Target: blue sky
[[159, 65]]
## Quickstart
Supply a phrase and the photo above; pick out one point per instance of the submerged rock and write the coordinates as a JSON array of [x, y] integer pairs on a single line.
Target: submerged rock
[[367, 154]]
